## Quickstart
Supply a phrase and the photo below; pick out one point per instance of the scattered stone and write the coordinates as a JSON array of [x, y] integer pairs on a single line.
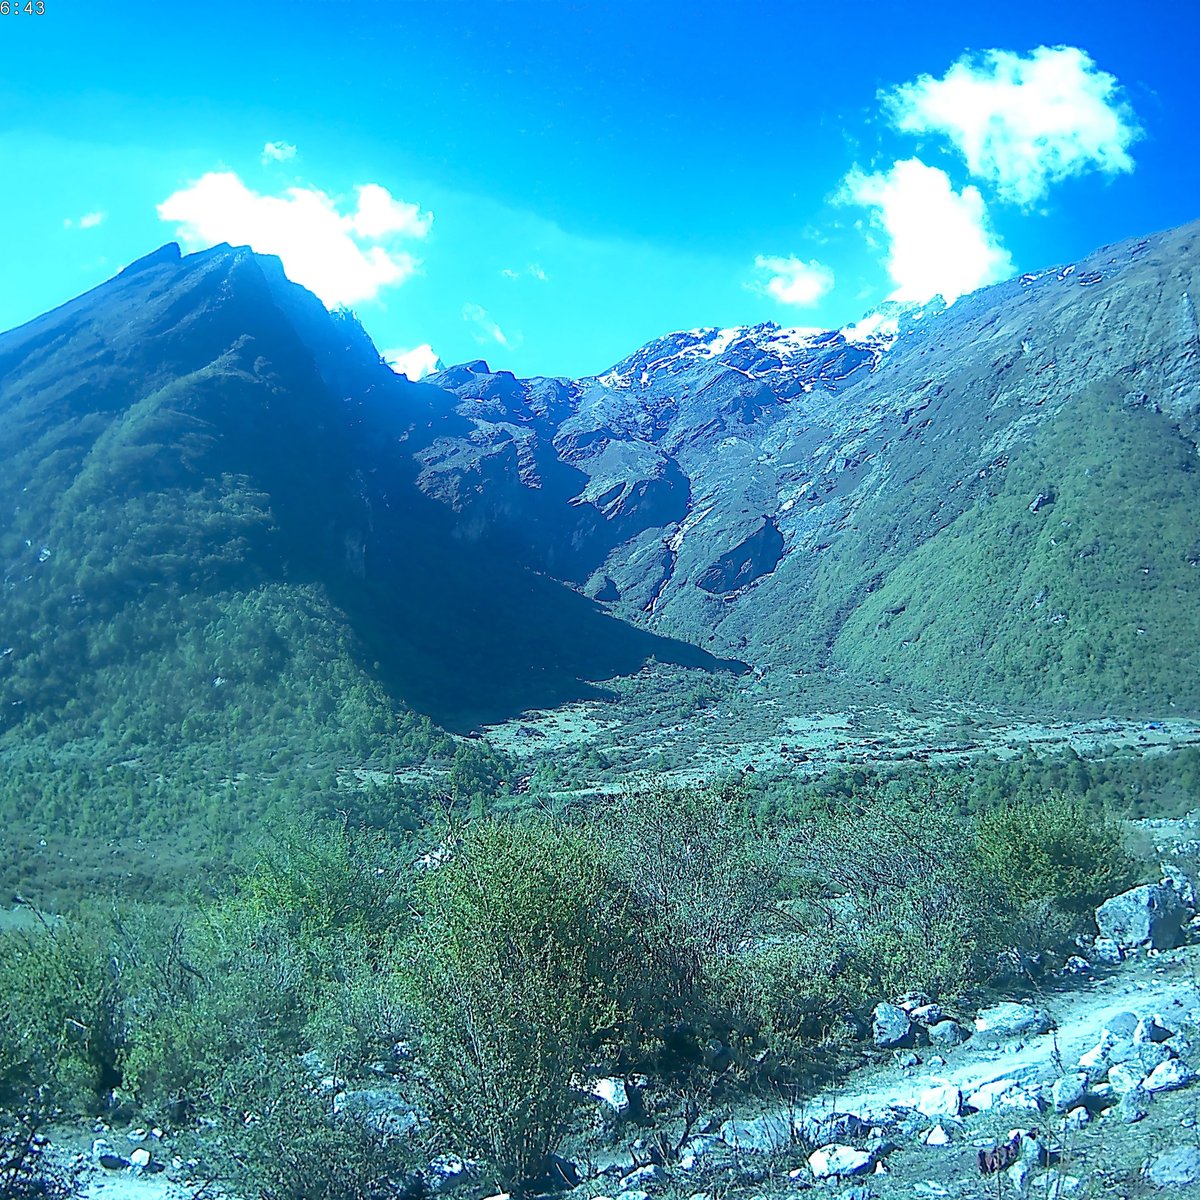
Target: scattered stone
[[1169, 1076], [1150, 915], [946, 1034], [1180, 884], [1097, 1060], [1121, 1026], [860, 1191], [1106, 950], [1123, 1079], [907, 1059], [890, 1026], [838, 1162], [835, 1127], [634, 1194], [1175, 1168], [1009, 1019], [648, 1176], [1134, 1106], [140, 1159], [927, 1014], [1075, 965], [1077, 1118], [615, 1096], [1068, 1092], [937, 1136], [698, 1148], [945, 1100]]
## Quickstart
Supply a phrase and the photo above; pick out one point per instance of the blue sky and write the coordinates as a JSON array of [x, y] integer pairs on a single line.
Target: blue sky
[[549, 185]]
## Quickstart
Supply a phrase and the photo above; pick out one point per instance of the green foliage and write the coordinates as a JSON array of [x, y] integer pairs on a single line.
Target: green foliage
[[1057, 849], [286, 1143], [514, 972], [896, 885], [699, 872], [62, 1016]]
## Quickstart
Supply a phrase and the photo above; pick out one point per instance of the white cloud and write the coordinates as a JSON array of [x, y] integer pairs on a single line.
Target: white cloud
[[533, 269], [416, 364], [1023, 123], [487, 329], [87, 221], [342, 257], [791, 280], [940, 240], [278, 152]]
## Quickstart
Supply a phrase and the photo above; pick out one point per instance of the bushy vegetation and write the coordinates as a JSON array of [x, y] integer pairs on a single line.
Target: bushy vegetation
[[487, 966]]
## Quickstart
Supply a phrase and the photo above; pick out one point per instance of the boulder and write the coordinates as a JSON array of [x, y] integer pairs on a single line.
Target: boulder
[[1105, 950], [1077, 1118], [765, 1134], [1010, 1019], [1169, 1076], [1134, 1106], [890, 1026], [1151, 915], [945, 1100], [1069, 1092], [1122, 1079], [927, 1015], [648, 1176], [1176, 1168], [838, 1162], [1152, 1054], [832, 1128], [946, 1034]]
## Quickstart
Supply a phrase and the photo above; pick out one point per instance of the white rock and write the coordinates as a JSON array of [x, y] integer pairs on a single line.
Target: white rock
[[1010, 1019], [613, 1093], [1068, 1092], [1123, 1079], [837, 1162], [945, 1100], [1169, 1076], [1077, 1118], [1151, 1029], [937, 1136], [140, 1158]]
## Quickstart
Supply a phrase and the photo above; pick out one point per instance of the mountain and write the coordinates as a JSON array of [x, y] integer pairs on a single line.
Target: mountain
[[216, 565], [241, 553], [997, 501]]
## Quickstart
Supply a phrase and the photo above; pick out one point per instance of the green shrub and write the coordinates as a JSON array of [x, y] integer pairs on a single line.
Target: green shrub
[[701, 876], [515, 972], [1059, 850], [63, 1020], [282, 1141], [895, 884], [26, 1170]]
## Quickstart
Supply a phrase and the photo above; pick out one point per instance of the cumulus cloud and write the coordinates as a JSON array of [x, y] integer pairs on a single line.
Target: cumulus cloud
[[940, 240], [1023, 123], [278, 152], [416, 363], [791, 280], [486, 330], [87, 221], [344, 257]]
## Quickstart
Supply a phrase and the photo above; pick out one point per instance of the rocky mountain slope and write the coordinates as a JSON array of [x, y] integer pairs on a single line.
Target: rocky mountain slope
[[997, 500], [210, 512]]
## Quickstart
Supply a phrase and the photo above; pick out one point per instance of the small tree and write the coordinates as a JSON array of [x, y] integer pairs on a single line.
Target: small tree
[[514, 974]]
